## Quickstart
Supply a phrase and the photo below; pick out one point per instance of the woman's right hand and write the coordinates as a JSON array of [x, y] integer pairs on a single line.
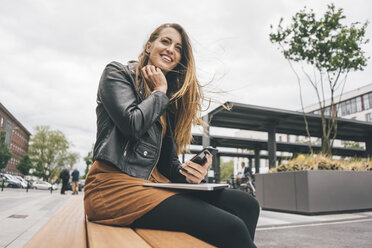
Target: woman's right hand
[[155, 78], [194, 172]]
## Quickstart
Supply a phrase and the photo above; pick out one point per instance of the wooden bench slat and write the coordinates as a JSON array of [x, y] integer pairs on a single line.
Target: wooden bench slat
[[68, 221], [110, 236], [69, 228], [165, 239]]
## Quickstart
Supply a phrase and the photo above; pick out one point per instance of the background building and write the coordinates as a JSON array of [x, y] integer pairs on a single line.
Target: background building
[[355, 104], [17, 138]]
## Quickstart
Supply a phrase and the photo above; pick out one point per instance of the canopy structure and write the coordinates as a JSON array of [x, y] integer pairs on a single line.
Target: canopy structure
[[258, 144], [272, 121]]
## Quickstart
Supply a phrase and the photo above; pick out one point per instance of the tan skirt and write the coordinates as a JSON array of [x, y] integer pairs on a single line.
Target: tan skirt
[[115, 198]]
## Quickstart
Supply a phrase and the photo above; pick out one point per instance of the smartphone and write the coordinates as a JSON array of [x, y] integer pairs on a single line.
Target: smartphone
[[200, 158]]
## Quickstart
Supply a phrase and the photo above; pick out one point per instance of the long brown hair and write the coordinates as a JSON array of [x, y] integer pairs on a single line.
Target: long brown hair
[[184, 88]]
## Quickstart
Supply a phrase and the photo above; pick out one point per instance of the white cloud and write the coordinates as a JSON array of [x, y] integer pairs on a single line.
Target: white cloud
[[53, 52]]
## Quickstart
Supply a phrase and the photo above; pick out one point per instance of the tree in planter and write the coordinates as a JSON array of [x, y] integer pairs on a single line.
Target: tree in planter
[[5, 154], [24, 165], [49, 152], [328, 47]]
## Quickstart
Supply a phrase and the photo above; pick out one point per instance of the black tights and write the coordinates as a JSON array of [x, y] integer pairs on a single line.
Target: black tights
[[224, 218]]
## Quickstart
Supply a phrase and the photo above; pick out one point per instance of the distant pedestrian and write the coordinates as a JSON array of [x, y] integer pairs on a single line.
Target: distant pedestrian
[[65, 176], [241, 174], [242, 170], [75, 182]]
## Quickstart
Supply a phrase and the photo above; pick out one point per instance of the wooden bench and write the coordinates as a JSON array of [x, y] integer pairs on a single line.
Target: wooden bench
[[70, 228]]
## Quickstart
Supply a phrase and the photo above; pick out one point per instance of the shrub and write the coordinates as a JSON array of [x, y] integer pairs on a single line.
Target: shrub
[[323, 162]]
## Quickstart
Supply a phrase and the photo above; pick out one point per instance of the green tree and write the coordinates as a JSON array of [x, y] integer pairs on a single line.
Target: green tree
[[39, 169], [25, 165], [49, 151], [88, 161], [227, 170], [330, 50], [5, 154]]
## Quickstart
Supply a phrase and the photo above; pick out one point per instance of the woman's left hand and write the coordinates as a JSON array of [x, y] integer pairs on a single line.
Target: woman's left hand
[[194, 172]]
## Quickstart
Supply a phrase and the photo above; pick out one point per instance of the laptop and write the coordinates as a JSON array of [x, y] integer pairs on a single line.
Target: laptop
[[189, 186]]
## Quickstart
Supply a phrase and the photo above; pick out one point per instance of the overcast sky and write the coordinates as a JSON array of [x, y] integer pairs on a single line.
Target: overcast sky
[[52, 53]]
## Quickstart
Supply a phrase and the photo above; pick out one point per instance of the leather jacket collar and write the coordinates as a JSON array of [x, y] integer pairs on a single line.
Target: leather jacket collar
[[132, 65]]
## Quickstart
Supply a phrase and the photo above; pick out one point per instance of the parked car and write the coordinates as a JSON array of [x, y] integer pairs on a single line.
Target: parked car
[[43, 185], [55, 186], [12, 182], [23, 185], [22, 180]]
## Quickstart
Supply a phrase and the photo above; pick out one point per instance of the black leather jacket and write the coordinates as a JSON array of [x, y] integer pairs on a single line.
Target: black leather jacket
[[129, 133]]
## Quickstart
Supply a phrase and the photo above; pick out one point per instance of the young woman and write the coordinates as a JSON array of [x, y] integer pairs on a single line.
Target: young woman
[[144, 116]]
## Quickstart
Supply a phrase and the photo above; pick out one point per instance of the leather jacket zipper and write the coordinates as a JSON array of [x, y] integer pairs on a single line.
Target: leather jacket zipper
[[159, 151], [125, 149]]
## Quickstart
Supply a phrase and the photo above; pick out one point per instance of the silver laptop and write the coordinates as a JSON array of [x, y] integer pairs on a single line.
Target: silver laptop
[[189, 186]]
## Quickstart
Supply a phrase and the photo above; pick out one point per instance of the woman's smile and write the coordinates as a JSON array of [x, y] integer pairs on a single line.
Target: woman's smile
[[166, 58]]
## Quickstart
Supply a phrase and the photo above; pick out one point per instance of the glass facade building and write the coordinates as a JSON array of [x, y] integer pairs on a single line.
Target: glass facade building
[[351, 106]]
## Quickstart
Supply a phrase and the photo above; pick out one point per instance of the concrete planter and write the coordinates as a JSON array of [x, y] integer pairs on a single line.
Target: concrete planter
[[311, 192]]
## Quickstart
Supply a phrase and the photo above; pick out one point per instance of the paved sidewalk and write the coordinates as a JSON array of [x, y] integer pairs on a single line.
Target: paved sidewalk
[[23, 214], [271, 219], [278, 230]]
